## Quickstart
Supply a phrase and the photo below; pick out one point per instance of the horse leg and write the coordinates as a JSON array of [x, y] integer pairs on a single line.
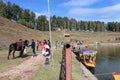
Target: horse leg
[[13, 54], [21, 53], [9, 53]]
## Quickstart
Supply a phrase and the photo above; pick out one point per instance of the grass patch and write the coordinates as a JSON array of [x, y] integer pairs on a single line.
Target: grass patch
[[48, 72], [52, 73], [6, 64], [77, 73]]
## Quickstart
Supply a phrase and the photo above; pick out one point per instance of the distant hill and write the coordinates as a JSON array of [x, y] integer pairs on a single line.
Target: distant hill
[[11, 31]]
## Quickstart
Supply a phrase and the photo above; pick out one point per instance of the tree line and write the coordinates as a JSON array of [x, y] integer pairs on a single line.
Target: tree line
[[28, 18]]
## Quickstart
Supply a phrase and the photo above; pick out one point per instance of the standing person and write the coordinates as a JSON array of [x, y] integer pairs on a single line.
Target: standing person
[[33, 48], [43, 44], [49, 43], [47, 48], [37, 45], [56, 44], [43, 47]]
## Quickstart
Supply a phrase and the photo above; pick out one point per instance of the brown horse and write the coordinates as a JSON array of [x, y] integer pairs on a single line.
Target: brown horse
[[13, 48]]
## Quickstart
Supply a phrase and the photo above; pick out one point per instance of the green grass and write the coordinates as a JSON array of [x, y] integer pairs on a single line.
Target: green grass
[[52, 73], [45, 72], [6, 64], [77, 73], [48, 72]]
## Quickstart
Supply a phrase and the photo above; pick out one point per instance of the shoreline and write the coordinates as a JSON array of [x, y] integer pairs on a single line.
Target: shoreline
[[102, 44], [87, 73]]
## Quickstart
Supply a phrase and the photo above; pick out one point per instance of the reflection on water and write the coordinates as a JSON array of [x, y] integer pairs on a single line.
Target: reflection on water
[[107, 62]]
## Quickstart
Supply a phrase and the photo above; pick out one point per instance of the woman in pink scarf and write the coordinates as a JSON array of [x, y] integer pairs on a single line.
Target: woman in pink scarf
[[43, 44]]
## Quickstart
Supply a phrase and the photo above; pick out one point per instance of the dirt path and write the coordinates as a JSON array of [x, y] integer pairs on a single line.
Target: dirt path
[[24, 70]]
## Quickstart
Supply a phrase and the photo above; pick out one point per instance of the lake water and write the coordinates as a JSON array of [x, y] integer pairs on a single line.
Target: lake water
[[107, 62]]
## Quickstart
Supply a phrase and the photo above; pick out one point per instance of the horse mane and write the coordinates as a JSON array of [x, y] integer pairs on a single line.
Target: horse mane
[[26, 42]]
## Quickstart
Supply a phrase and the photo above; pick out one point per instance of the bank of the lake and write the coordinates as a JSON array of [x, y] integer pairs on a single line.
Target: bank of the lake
[[107, 60]]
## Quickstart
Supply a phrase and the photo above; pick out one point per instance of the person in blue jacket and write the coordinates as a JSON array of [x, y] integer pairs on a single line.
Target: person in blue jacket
[[33, 48]]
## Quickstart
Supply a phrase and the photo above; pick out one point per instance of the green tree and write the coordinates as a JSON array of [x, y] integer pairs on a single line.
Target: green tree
[[16, 12], [73, 23], [22, 21], [78, 25], [1, 8], [102, 26], [116, 26], [60, 22], [33, 20], [66, 23], [32, 17], [8, 10], [42, 23], [86, 27], [53, 22], [26, 15]]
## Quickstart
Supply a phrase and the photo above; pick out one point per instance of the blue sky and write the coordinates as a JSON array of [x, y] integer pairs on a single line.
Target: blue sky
[[87, 10]]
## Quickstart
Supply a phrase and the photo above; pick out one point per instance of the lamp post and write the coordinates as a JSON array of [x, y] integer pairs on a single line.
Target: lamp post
[[50, 28], [49, 20]]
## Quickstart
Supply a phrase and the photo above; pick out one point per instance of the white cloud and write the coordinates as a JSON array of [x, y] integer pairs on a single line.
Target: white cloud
[[111, 10], [80, 10], [41, 13], [80, 2], [105, 13], [44, 13]]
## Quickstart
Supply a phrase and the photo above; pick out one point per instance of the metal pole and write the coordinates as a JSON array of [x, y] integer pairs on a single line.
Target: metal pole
[[49, 21], [50, 28]]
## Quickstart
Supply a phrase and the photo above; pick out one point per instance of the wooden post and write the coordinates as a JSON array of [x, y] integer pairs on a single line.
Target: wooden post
[[68, 57]]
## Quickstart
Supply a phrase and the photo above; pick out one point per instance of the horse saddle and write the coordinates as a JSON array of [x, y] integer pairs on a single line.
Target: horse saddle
[[19, 45]]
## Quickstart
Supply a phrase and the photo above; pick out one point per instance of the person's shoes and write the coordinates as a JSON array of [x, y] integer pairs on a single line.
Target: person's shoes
[[35, 54]]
